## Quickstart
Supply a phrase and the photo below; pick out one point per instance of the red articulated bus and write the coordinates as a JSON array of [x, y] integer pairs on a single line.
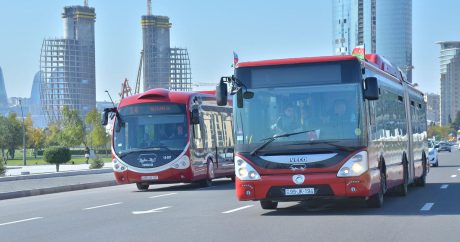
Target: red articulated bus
[[163, 136], [325, 128]]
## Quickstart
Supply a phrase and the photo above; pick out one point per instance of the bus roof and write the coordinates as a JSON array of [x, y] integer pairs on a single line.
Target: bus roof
[[379, 62], [297, 60], [162, 95]]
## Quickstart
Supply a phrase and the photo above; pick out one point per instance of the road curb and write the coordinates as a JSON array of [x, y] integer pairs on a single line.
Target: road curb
[[50, 190], [56, 174]]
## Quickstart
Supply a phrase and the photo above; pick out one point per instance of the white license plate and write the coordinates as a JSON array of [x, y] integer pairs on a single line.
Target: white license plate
[[146, 178], [299, 191]]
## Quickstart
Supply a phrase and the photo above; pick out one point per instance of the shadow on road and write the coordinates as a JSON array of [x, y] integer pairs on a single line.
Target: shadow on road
[[221, 184], [445, 203]]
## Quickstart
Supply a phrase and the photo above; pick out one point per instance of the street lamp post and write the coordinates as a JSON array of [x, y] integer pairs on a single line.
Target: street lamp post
[[23, 136]]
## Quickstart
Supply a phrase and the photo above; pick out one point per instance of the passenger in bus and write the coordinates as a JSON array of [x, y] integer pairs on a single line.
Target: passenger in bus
[[179, 132], [288, 122], [342, 120]]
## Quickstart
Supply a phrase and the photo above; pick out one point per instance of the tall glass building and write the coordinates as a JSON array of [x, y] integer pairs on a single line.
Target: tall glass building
[[450, 80], [383, 26], [3, 96], [394, 33], [353, 24]]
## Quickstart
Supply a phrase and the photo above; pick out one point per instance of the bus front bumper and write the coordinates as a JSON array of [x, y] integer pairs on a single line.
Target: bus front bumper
[[317, 186], [166, 176]]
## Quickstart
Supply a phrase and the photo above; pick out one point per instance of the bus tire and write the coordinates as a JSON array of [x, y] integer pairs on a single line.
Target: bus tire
[[421, 181], [142, 186], [267, 204], [209, 174], [401, 190], [376, 200]]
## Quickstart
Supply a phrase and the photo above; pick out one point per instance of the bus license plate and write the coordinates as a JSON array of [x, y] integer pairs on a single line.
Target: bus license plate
[[299, 191], [147, 178]]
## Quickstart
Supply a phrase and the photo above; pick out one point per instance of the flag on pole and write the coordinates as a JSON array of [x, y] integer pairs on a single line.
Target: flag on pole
[[359, 51], [235, 58]]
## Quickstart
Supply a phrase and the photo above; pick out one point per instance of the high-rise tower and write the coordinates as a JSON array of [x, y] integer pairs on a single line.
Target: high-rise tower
[[353, 24], [68, 72], [3, 96], [450, 80], [394, 33], [157, 53]]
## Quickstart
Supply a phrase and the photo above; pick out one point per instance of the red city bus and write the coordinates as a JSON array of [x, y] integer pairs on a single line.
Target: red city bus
[[163, 136], [325, 128]]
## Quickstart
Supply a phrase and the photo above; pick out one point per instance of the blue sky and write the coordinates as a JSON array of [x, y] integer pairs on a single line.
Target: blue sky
[[210, 29]]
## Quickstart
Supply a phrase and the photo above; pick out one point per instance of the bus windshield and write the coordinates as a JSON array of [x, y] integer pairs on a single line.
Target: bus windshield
[[151, 127], [318, 113]]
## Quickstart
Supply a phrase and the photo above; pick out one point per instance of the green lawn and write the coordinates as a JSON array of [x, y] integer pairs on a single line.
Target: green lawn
[[76, 159], [40, 161]]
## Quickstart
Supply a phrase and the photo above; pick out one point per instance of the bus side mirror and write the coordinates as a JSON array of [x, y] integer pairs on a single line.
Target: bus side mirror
[[195, 116], [372, 88], [221, 94], [105, 117]]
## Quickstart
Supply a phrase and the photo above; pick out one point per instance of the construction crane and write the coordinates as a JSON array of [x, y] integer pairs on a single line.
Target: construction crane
[[125, 89], [139, 73]]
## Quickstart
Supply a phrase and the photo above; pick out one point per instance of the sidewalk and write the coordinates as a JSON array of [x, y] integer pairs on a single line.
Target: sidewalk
[[43, 179]]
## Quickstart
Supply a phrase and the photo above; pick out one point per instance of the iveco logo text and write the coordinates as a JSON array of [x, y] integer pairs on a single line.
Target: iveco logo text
[[300, 159]]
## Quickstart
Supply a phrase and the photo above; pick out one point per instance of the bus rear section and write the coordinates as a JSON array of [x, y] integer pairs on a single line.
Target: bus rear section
[[153, 140], [325, 128]]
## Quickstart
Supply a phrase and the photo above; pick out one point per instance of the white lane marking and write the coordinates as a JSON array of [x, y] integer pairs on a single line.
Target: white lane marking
[[237, 209], [453, 176], [101, 206], [164, 195], [458, 169], [149, 211], [444, 186], [20, 221], [427, 207]]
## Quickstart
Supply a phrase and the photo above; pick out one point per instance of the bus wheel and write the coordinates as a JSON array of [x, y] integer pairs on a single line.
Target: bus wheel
[[267, 204], [401, 190], [142, 186], [210, 175], [376, 201], [421, 181]]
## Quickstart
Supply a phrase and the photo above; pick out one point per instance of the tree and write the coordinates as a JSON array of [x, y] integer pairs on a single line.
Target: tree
[[37, 140], [14, 134], [97, 136], [73, 130], [52, 135], [456, 123], [57, 155], [3, 135]]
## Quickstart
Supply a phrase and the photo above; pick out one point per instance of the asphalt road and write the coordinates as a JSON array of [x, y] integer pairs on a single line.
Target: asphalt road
[[184, 212]]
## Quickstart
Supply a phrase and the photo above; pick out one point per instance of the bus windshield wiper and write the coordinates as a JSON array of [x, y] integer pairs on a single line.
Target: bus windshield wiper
[[331, 143], [276, 136]]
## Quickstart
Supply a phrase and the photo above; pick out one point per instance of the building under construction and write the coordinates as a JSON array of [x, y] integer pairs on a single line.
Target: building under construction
[[67, 65], [164, 67]]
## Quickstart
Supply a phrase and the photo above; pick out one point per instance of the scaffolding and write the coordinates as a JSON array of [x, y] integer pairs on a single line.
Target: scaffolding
[[67, 65], [181, 74]]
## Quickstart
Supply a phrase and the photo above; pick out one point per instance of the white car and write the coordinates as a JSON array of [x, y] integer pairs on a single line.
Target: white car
[[432, 154]]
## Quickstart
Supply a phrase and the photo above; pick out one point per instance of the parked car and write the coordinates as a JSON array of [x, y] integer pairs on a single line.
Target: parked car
[[444, 146], [432, 154]]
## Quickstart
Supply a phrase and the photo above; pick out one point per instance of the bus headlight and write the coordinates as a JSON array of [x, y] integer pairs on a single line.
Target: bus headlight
[[118, 167], [355, 166], [244, 171], [182, 163]]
